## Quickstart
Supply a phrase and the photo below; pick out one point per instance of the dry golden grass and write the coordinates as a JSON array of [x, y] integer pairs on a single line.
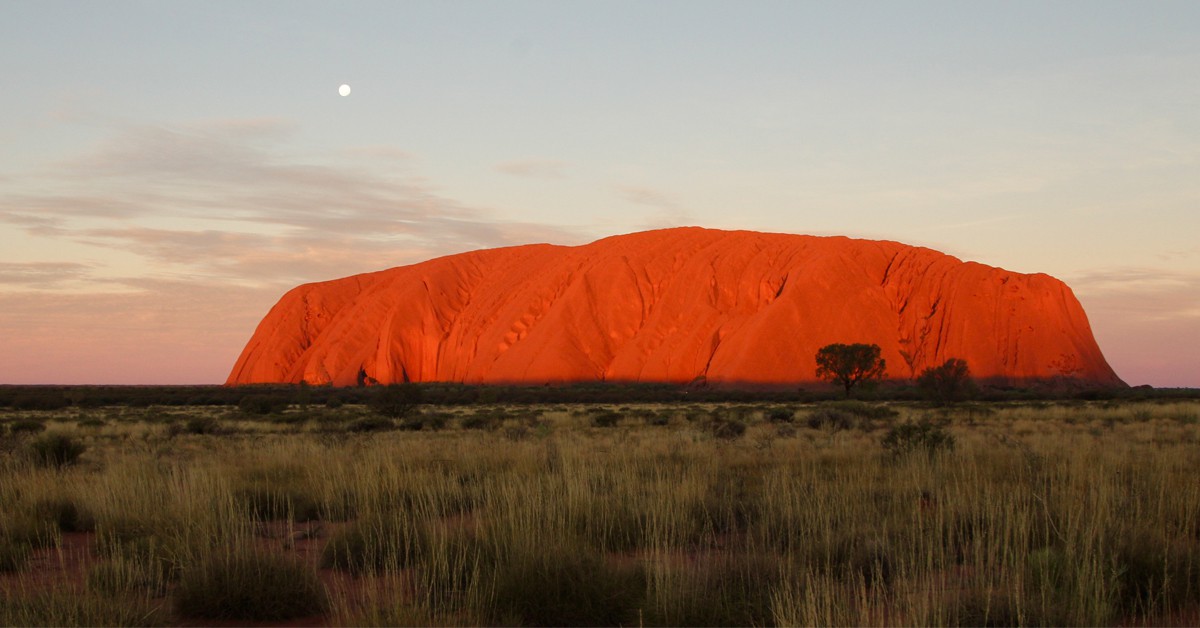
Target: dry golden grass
[[1040, 514]]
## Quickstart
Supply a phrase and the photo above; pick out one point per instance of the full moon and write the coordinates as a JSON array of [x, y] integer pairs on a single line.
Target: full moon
[[344, 90]]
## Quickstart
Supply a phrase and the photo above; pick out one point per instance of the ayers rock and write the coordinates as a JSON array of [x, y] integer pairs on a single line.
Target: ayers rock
[[676, 305]]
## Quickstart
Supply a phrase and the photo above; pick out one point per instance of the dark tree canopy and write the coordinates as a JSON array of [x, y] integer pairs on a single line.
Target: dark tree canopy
[[396, 401], [850, 365], [947, 383]]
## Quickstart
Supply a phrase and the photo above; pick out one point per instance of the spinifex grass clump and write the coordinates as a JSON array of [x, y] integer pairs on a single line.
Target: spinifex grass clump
[[56, 450], [13, 555], [712, 589], [927, 436], [377, 542], [564, 583], [122, 576], [278, 492], [26, 528], [64, 512], [26, 426], [249, 585], [67, 607], [203, 425]]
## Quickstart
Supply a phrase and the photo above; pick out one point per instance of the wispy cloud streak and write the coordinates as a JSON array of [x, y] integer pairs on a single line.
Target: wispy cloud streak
[[224, 216], [265, 212]]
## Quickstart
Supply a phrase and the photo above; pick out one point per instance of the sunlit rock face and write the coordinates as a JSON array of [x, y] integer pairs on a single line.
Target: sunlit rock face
[[676, 305]]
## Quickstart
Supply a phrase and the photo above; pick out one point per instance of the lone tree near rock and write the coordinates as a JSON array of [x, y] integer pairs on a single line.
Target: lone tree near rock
[[850, 365], [947, 383]]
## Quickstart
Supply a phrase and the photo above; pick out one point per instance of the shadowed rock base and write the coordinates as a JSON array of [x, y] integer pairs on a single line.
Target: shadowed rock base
[[675, 305]]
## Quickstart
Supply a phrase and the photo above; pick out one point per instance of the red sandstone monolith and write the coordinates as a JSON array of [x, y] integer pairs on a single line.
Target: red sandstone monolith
[[676, 305]]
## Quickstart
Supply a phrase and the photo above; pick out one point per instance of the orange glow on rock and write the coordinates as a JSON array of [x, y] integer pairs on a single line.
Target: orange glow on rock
[[675, 305]]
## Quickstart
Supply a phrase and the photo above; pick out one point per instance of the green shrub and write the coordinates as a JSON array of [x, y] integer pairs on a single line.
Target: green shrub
[[606, 419], [948, 383], [249, 586], [56, 450], [92, 423], [925, 435], [781, 415], [202, 425], [830, 418]]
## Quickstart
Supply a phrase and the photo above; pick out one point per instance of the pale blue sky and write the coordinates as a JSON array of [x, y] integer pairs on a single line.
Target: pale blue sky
[[169, 168]]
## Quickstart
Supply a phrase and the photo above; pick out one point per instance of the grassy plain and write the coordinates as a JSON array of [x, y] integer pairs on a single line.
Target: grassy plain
[[655, 514]]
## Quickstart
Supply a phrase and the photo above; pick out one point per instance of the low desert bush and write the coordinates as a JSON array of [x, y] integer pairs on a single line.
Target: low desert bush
[[202, 425], [828, 418], [263, 404], [781, 415], [370, 424], [249, 585], [480, 421], [925, 435], [395, 401], [55, 450], [728, 429], [607, 418]]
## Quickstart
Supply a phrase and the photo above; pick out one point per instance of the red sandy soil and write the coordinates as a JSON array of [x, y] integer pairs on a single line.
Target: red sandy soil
[[677, 305]]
